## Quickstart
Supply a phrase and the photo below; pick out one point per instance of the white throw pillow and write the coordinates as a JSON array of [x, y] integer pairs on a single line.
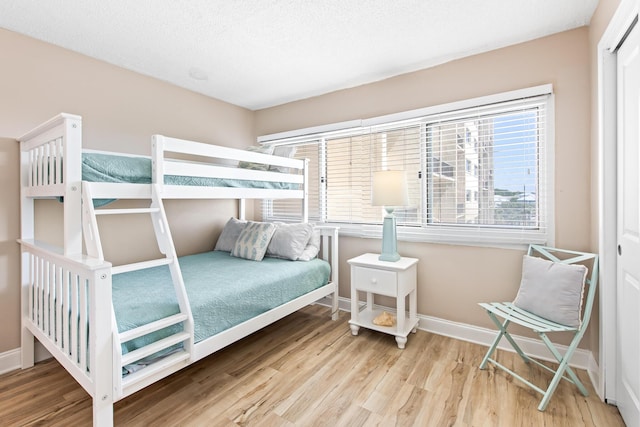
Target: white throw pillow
[[289, 240], [283, 151], [262, 149], [312, 248], [552, 290]]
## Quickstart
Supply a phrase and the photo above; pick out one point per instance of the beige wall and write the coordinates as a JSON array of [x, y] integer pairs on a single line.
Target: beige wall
[[121, 110], [9, 249], [452, 279]]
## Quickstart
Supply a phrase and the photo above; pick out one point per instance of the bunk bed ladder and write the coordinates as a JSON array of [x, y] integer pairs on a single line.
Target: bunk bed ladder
[[178, 356]]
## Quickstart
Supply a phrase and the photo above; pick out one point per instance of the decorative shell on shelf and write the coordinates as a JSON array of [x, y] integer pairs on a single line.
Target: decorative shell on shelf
[[385, 319]]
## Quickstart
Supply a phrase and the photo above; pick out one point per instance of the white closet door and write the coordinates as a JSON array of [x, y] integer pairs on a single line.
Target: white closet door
[[628, 281]]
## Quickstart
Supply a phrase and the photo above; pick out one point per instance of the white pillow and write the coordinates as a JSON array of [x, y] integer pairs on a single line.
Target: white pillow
[[289, 240], [263, 149], [253, 240], [313, 247], [283, 151], [229, 235], [552, 290]]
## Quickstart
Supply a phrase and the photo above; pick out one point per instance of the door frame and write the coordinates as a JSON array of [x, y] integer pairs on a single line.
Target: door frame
[[622, 21]]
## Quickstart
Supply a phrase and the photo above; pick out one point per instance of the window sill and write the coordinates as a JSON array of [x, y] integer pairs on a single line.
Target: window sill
[[464, 235]]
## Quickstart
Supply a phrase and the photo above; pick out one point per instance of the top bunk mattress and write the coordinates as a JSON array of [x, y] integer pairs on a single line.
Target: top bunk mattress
[[223, 292], [100, 167]]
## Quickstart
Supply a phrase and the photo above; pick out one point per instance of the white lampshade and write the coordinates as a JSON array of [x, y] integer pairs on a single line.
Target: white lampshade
[[390, 188]]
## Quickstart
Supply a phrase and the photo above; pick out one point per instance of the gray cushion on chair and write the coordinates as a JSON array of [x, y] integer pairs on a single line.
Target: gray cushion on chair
[[552, 290]]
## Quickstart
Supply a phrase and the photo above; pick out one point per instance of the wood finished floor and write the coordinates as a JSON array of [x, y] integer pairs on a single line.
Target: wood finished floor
[[307, 370]]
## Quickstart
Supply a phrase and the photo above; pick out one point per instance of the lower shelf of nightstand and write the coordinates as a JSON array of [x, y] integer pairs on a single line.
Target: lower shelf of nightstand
[[365, 320]]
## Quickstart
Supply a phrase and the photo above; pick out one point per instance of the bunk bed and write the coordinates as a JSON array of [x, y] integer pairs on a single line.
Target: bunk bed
[[73, 299]]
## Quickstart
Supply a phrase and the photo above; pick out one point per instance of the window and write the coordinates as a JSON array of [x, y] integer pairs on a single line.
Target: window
[[477, 171]]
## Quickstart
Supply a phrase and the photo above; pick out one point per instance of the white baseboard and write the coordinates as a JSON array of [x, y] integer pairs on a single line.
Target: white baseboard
[[12, 359], [582, 359]]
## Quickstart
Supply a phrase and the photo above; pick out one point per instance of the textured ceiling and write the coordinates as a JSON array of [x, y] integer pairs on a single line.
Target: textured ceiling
[[261, 53]]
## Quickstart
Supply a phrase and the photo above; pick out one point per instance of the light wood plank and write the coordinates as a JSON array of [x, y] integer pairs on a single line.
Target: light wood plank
[[306, 370]]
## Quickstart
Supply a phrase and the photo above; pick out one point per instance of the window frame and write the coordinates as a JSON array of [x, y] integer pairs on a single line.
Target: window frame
[[462, 234]]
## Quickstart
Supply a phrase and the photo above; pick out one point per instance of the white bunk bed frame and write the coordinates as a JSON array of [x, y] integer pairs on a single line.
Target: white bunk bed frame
[[61, 284]]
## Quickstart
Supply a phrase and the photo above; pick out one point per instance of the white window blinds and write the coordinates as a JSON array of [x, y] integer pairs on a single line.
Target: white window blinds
[[485, 165], [475, 174], [290, 210], [350, 163]]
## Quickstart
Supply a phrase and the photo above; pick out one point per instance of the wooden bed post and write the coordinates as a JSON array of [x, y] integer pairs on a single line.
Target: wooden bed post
[[72, 155], [242, 209], [157, 167], [335, 262], [102, 348], [330, 253]]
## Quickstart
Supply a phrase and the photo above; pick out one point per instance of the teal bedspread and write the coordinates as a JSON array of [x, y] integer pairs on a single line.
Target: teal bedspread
[[98, 167], [223, 291]]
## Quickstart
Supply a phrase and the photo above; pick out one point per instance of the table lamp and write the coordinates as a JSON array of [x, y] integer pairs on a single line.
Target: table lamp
[[389, 190]]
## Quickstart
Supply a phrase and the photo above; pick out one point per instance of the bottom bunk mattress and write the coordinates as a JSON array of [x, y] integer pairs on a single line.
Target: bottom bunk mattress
[[223, 291]]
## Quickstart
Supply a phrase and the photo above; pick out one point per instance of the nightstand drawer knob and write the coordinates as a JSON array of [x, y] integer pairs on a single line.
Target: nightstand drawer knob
[[374, 280]]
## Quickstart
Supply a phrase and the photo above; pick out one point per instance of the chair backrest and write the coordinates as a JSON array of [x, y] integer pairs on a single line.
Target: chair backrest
[[565, 256]]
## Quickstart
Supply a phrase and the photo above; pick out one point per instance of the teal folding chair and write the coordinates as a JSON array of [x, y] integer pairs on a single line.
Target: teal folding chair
[[538, 300]]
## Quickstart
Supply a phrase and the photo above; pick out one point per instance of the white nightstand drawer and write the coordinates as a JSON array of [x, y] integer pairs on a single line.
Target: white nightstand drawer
[[375, 280]]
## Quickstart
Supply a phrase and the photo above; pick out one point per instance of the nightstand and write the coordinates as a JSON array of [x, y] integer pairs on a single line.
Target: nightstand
[[393, 279]]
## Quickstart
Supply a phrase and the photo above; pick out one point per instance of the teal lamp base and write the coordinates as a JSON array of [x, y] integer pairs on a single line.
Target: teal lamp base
[[389, 238]]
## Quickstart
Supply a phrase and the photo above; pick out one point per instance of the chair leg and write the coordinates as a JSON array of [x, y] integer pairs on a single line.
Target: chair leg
[[564, 362], [562, 368], [552, 387], [492, 348], [503, 332]]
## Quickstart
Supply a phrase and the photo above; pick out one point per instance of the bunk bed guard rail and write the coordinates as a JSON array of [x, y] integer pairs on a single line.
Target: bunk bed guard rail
[[63, 307]]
